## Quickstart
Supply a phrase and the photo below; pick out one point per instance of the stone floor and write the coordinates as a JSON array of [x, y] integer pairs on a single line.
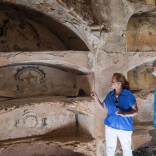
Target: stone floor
[[144, 142], [149, 148], [46, 146]]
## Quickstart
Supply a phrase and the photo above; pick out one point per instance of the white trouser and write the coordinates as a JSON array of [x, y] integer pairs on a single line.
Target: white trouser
[[111, 141]]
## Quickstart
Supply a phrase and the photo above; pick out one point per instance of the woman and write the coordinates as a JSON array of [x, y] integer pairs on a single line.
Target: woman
[[121, 106]]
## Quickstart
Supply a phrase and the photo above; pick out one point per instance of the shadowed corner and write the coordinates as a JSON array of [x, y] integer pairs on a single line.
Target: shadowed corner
[[70, 132], [70, 135]]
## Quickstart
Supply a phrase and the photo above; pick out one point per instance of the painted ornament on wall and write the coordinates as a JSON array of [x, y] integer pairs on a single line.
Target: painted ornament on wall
[[30, 78], [30, 119]]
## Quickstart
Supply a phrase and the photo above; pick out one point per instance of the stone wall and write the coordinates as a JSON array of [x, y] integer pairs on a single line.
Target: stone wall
[[121, 38]]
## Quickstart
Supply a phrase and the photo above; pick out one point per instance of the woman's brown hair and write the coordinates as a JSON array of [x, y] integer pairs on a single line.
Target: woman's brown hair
[[121, 78]]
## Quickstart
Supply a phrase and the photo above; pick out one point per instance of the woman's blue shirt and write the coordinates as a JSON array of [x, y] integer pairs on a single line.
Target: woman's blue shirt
[[125, 101]]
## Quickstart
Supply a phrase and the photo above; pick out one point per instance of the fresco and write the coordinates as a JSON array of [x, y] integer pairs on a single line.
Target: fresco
[[29, 77]]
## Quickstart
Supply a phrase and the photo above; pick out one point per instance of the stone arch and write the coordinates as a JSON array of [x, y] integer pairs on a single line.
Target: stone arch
[[25, 29], [134, 61], [78, 60]]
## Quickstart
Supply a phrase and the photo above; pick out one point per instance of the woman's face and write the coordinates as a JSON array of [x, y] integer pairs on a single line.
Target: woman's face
[[115, 84]]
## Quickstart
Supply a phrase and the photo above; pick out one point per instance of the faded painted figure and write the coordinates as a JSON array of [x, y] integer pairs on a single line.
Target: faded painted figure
[[121, 105], [154, 74]]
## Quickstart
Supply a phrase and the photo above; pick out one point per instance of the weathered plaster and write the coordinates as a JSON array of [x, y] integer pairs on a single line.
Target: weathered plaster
[[102, 26]]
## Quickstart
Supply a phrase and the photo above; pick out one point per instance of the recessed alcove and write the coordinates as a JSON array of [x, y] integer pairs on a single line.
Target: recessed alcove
[[26, 29], [142, 84], [141, 33], [41, 79], [141, 77], [45, 99]]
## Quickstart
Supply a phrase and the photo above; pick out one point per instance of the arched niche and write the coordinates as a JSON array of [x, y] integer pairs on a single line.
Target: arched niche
[[43, 79], [141, 33], [45, 99], [25, 29], [141, 78], [142, 84]]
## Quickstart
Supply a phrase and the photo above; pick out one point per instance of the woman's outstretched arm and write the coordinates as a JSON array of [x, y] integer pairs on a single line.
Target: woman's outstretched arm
[[94, 95]]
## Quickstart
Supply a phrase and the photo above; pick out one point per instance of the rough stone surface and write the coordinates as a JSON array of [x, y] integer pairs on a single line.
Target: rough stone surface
[[120, 36], [141, 33], [141, 77], [145, 102], [30, 36], [75, 60], [48, 147]]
